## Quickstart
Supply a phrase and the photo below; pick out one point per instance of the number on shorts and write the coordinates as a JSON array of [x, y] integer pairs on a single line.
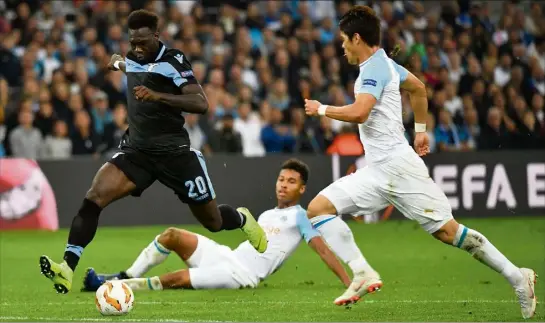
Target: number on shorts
[[199, 183]]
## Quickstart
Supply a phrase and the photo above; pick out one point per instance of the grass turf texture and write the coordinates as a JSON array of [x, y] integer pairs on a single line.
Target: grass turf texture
[[424, 279]]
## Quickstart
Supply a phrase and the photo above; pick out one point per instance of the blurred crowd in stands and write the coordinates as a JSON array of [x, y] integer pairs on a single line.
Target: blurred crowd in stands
[[258, 61]]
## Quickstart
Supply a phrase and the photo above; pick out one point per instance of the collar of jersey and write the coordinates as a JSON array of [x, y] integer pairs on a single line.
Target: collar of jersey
[[374, 54], [286, 208], [161, 51]]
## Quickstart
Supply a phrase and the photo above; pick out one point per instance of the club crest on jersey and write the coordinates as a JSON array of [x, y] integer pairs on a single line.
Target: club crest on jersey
[[151, 67], [179, 58], [369, 82]]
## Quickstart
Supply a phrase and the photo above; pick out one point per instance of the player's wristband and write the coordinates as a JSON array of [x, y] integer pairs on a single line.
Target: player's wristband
[[116, 64], [321, 109], [419, 127]]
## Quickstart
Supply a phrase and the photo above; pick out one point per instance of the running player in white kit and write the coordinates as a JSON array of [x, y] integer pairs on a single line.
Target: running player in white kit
[[395, 174], [215, 266]]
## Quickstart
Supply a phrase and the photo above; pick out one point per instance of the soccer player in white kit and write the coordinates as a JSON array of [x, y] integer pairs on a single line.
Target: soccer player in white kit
[[215, 266], [395, 173]]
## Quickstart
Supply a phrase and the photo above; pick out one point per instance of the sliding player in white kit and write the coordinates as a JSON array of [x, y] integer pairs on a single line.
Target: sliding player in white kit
[[395, 173], [214, 266]]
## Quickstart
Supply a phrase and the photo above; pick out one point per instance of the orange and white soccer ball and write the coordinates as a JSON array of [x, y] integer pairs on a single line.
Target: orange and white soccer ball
[[114, 298]]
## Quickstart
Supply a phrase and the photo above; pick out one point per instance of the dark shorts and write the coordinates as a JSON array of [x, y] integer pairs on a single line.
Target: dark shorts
[[185, 173]]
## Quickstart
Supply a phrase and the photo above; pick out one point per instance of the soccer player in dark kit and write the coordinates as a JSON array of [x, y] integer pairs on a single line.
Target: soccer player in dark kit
[[155, 147]]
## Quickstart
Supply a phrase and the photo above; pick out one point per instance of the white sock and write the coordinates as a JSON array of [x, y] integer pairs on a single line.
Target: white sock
[[483, 250], [340, 239], [153, 255], [153, 283]]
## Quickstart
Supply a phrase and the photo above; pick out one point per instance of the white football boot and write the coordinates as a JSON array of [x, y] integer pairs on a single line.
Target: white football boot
[[526, 293], [362, 284]]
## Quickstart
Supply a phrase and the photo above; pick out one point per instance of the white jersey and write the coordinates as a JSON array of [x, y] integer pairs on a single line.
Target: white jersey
[[383, 133], [285, 229]]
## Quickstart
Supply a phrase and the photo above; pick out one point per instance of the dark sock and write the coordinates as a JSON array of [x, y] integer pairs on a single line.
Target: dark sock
[[232, 219], [83, 229]]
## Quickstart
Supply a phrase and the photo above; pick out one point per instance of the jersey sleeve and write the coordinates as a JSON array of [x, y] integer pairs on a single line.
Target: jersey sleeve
[[374, 76], [182, 72], [402, 71], [305, 227]]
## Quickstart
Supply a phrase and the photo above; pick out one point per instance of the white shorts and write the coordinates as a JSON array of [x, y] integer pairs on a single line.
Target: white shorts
[[403, 181], [214, 266]]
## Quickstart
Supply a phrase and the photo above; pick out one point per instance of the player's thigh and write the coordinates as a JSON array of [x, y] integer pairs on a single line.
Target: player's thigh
[[215, 277], [116, 179], [186, 174], [355, 194], [208, 253], [213, 266], [133, 167], [415, 194]]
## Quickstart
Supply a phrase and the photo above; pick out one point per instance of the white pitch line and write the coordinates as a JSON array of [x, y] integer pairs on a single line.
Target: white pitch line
[[369, 301], [90, 319]]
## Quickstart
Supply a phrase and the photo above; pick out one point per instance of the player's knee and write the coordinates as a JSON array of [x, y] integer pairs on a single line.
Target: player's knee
[[213, 225], [446, 234], [320, 205], [94, 194], [170, 237]]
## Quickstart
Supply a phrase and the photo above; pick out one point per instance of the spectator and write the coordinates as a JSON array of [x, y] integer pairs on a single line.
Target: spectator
[[114, 131], [25, 140], [58, 145], [495, 135], [276, 137], [102, 116], [471, 125], [325, 134], [227, 139], [197, 136], [305, 141], [346, 143], [453, 102], [45, 118], [530, 137], [279, 97], [84, 140], [538, 103], [502, 73], [449, 137], [249, 126]]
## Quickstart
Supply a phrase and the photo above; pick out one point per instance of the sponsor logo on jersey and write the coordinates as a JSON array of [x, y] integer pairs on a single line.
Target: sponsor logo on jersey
[[187, 73], [369, 82], [180, 58]]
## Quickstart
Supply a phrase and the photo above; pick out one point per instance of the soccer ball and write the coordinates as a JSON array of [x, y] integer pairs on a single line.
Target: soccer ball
[[114, 298]]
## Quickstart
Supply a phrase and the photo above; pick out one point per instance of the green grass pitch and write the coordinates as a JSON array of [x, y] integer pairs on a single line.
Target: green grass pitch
[[424, 279]]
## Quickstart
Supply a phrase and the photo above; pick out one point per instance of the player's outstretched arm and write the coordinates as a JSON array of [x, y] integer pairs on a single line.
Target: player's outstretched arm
[[356, 112], [318, 244], [117, 63], [315, 241]]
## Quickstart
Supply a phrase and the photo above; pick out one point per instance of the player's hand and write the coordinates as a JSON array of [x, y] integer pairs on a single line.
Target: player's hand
[[144, 94], [422, 143], [115, 58], [311, 107]]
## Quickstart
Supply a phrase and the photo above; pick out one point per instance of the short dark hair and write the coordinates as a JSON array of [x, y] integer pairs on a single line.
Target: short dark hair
[[361, 20], [142, 19], [298, 166]]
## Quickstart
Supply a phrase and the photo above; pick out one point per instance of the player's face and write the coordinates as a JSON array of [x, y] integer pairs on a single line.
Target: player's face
[[289, 186], [349, 46], [144, 43]]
